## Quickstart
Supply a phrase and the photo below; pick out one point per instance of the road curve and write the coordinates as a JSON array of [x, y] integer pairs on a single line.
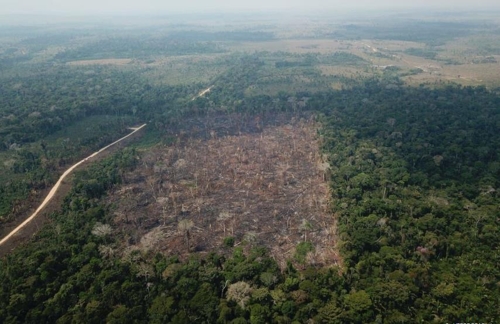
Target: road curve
[[58, 183]]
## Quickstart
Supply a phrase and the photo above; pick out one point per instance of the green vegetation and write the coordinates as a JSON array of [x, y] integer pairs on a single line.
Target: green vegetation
[[412, 186], [139, 48], [229, 241], [428, 32], [414, 178], [425, 53], [414, 172], [301, 251], [58, 115], [337, 58]]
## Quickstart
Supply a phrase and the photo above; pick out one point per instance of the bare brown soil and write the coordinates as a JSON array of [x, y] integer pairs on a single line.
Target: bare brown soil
[[265, 187]]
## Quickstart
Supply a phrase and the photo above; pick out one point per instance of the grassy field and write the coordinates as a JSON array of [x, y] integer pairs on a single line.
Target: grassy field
[[178, 70]]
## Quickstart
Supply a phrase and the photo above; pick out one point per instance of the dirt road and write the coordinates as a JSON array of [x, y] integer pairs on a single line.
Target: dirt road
[[58, 183], [202, 93]]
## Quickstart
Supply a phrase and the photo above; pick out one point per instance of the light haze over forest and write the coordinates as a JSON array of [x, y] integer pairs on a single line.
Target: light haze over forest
[[165, 7]]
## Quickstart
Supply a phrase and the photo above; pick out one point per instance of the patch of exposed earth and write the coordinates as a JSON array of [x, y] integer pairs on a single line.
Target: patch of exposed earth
[[262, 188]]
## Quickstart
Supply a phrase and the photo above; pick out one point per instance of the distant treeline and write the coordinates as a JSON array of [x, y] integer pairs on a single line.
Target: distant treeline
[[429, 32], [308, 60]]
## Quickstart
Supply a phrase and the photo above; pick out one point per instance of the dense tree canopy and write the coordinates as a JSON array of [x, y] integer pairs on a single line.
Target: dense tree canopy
[[414, 174]]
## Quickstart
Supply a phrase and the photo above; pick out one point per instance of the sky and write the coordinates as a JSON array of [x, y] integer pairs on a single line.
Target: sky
[[199, 6]]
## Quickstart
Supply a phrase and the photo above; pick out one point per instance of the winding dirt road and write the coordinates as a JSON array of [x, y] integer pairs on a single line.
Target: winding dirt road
[[58, 183]]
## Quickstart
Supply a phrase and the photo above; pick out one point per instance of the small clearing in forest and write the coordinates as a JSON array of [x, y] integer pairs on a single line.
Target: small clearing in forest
[[113, 61], [260, 188]]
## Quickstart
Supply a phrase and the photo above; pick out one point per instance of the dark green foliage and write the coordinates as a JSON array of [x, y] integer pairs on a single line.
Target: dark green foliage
[[414, 181], [137, 47], [342, 58], [337, 58], [58, 115], [64, 275], [429, 32], [229, 241], [425, 53], [301, 251], [412, 178]]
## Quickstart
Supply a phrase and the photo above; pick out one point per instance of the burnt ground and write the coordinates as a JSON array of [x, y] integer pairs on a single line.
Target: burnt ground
[[260, 182]]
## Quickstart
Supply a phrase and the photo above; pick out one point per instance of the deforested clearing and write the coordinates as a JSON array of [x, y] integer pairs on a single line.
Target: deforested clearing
[[257, 186], [112, 61]]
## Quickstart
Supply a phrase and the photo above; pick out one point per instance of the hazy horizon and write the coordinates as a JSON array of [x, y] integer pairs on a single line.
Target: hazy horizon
[[158, 7]]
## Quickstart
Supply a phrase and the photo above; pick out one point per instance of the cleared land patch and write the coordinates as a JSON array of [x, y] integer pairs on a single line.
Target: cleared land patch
[[101, 62], [263, 188], [175, 70]]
